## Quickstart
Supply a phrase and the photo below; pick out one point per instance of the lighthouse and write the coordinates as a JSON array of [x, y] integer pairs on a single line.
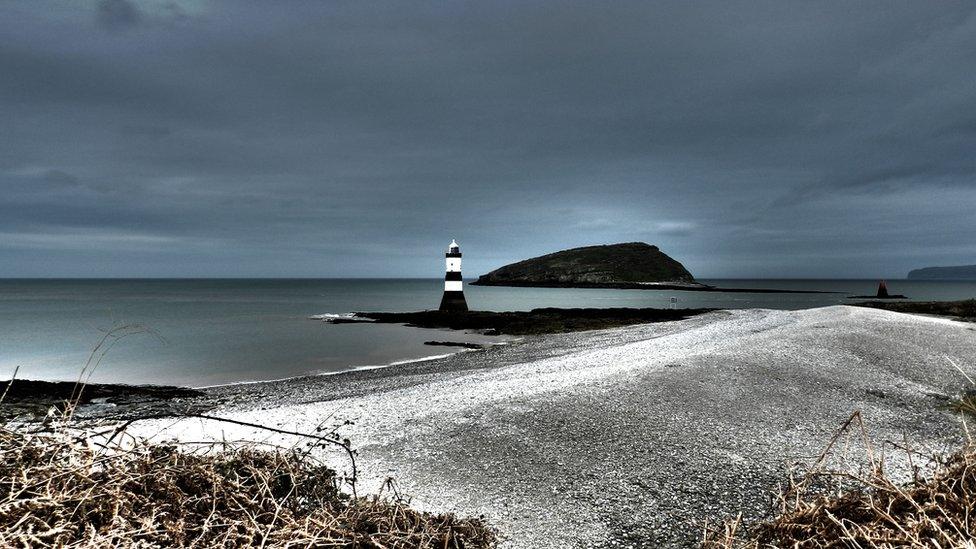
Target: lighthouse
[[453, 299]]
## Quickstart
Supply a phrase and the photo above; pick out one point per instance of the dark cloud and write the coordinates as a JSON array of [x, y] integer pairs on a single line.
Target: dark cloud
[[57, 178], [746, 139], [117, 14]]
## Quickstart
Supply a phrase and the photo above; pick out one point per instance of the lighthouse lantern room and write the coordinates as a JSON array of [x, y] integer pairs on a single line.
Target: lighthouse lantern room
[[453, 299]]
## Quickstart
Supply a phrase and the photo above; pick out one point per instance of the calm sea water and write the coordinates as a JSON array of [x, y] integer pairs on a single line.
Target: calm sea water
[[208, 332]]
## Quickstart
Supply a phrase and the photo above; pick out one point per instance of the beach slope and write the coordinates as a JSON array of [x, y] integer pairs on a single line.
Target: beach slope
[[630, 436]]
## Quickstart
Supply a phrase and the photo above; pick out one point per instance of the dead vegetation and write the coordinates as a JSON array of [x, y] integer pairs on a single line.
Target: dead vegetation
[[62, 490], [826, 508], [62, 485]]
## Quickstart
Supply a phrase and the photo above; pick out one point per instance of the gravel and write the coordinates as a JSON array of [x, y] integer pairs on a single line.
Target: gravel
[[629, 437]]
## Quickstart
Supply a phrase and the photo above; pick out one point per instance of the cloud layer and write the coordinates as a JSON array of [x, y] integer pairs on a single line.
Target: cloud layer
[[784, 139]]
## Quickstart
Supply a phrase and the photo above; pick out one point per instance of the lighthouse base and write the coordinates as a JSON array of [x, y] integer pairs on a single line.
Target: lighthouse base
[[454, 301]]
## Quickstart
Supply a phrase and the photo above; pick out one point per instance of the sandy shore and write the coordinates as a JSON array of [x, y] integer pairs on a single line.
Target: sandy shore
[[624, 437]]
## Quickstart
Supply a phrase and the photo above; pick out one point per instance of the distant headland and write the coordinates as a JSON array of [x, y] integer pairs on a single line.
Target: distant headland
[[629, 266], [960, 272]]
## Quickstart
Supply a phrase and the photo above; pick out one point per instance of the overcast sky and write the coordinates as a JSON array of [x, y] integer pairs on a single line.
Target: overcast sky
[[753, 139]]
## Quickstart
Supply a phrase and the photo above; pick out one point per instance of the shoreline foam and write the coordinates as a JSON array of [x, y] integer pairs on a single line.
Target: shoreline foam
[[354, 369]]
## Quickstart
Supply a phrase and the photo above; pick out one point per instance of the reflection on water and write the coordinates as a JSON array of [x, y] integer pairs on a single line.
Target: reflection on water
[[221, 331]]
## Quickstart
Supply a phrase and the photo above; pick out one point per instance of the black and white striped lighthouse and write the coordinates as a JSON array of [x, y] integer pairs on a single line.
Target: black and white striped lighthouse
[[453, 299]]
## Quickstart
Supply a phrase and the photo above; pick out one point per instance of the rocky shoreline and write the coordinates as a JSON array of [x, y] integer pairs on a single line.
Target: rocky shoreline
[[960, 310], [682, 286], [630, 436], [534, 322], [31, 399]]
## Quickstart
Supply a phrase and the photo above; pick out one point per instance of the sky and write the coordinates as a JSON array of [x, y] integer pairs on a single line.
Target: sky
[[194, 138]]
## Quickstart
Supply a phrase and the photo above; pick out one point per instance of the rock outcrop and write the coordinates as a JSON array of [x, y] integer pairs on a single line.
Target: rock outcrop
[[615, 265]]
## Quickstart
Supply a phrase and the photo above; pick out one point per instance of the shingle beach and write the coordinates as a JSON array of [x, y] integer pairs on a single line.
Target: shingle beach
[[628, 437]]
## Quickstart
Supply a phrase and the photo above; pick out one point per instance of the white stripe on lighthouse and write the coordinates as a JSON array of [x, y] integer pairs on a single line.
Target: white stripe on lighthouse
[[452, 285]]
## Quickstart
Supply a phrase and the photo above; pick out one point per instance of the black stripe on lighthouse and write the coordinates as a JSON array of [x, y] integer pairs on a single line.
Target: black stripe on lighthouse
[[453, 299]]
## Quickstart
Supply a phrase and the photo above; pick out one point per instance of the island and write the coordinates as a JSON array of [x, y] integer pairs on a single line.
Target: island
[[627, 266], [959, 272], [612, 265]]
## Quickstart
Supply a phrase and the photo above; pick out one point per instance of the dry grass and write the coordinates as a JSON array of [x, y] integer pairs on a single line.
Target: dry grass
[[872, 511], [62, 486], [57, 490]]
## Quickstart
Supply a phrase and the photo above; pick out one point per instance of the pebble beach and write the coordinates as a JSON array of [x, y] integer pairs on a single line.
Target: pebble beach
[[626, 437]]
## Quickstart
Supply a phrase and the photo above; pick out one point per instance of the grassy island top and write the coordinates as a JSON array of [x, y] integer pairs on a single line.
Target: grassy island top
[[631, 262]]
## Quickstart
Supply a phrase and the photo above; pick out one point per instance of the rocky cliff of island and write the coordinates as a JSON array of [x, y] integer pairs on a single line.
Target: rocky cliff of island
[[633, 264], [961, 272]]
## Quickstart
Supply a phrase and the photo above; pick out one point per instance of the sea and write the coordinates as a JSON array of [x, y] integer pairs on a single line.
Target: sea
[[218, 331]]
